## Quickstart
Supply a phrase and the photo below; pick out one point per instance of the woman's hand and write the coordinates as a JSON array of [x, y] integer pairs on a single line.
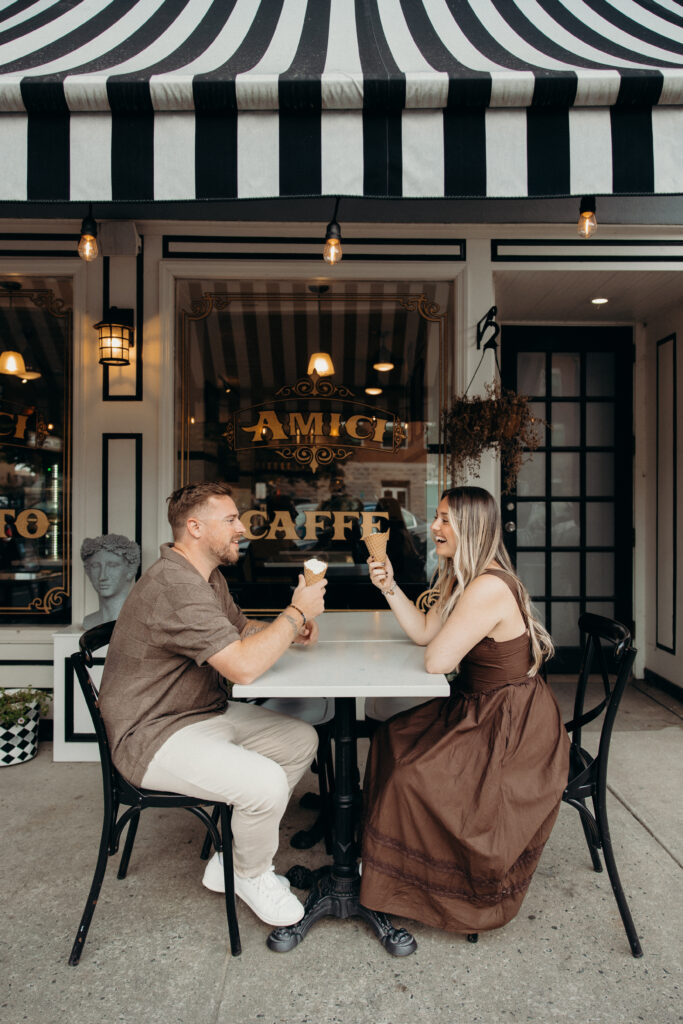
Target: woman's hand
[[381, 574]]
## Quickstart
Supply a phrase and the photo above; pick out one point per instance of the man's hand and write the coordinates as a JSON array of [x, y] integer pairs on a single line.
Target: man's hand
[[308, 635]]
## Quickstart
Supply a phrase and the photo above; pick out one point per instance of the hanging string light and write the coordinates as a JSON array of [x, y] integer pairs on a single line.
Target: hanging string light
[[87, 247], [587, 224], [332, 251]]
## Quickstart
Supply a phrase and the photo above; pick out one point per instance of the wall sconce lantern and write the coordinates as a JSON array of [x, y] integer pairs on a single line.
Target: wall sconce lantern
[[116, 337], [587, 224], [87, 246], [332, 251]]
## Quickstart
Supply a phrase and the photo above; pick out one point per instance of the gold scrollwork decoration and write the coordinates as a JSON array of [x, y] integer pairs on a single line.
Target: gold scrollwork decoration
[[427, 309], [427, 599], [308, 387], [314, 456], [201, 308], [49, 601]]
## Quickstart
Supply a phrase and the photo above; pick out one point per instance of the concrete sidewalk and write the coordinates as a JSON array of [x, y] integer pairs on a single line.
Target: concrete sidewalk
[[157, 949]]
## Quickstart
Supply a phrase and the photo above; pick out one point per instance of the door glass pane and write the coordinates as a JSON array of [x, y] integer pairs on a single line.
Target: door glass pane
[[600, 573], [538, 411], [565, 424], [531, 478], [530, 523], [565, 477], [605, 608], [600, 424], [531, 373], [565, 373], [600, 374], [565, 524], [531, 571], [538, 608], [600, 473], [599, 523], [565, 574], [565, 630]]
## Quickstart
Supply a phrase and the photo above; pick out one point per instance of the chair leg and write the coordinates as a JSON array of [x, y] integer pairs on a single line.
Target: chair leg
[[228, 874], [610, 863], [206, 847], [91, 903], [128, 845], [590, 841]]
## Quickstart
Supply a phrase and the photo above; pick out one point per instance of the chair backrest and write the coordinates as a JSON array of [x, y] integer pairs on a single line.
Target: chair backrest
[[608, 653], [82, 661]]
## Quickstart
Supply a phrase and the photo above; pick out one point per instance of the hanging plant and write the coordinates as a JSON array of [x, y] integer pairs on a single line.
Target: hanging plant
[[499, 421]]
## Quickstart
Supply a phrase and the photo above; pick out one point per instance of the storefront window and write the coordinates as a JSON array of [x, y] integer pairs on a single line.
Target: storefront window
[[35, 438], [316, 455]]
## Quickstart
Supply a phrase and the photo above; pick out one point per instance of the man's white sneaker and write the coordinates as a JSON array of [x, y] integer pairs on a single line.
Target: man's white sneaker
[[269, 899], [213, 875]]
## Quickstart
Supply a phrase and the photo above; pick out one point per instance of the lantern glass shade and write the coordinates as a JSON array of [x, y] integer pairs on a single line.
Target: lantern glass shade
[[115, 340], [12, 363], [320, 363]]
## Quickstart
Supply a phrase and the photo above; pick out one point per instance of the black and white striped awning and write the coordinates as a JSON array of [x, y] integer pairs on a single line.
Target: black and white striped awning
[[217, 99]]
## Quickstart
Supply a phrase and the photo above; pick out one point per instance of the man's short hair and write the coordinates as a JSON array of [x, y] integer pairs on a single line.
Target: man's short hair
[[186, 500]]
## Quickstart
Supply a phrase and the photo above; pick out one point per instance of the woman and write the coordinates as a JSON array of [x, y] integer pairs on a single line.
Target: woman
[[461, 793]]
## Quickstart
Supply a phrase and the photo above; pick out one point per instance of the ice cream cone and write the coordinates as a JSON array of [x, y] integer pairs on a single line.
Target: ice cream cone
[[313, 572], [377, 545]]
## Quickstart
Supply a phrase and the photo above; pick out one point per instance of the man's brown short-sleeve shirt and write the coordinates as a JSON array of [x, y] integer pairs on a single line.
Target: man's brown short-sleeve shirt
[[156, 678]]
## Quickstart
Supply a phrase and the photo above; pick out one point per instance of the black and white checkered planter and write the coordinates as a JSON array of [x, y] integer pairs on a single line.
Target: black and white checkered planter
[[20, 742]]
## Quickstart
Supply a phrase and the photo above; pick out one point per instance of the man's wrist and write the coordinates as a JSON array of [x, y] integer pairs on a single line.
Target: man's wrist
[[297, 609], [292, 622]]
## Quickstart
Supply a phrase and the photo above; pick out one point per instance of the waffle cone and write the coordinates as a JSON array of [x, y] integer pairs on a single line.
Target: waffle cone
[[377, 545], [313, 577]]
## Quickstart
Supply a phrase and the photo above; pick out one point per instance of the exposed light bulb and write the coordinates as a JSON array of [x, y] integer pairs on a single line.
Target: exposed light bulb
[[87, 248], [332, 253], [587, 224]]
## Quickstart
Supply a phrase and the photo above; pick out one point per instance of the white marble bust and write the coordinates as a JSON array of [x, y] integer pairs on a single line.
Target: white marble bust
[[111, 562]]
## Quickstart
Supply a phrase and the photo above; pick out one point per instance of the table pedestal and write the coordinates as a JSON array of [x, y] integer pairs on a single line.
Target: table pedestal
[[336, 893]]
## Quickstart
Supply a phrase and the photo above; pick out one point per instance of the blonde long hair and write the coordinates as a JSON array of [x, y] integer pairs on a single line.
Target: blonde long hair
[[475, 519]]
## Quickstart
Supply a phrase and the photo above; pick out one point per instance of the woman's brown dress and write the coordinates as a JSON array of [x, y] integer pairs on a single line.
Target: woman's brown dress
[[461, 794]]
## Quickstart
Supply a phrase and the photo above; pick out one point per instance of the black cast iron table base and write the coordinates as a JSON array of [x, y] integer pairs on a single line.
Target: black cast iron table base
[[335, 893], [338, 897]]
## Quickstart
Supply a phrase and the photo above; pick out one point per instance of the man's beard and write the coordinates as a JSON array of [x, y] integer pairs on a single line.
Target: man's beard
[[228, 555]]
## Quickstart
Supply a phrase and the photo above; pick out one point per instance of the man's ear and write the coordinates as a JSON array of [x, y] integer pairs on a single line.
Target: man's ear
[[193, 526]]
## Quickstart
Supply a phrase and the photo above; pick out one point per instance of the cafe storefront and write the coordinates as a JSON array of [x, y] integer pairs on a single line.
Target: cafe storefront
[[213, 161]]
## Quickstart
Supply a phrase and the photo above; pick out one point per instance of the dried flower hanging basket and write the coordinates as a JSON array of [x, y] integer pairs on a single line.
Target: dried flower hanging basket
[[499, 421]]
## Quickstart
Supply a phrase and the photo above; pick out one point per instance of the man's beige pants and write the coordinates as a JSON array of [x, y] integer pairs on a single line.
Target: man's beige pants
[[249, 757]]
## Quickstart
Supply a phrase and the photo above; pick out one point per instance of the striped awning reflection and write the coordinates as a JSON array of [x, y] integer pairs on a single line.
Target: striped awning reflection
[[219, 99]]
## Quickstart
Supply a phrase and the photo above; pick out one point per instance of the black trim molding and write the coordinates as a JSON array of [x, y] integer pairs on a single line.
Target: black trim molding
[[137, 497], [280, 247], [139, 326], [69, 689], [660, 683], [666, 476], [577, 250]]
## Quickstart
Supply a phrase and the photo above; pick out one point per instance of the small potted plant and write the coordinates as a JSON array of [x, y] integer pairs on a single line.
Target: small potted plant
[[499, 420], [20, 711]]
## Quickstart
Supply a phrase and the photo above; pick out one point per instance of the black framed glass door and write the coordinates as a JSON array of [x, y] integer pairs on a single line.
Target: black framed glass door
[[569, 523]]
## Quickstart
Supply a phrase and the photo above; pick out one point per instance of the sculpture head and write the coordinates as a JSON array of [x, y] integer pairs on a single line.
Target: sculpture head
[[110, 562]]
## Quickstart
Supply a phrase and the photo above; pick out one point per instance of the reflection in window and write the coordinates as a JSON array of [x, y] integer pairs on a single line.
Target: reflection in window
[[316, 461], [35, 362]]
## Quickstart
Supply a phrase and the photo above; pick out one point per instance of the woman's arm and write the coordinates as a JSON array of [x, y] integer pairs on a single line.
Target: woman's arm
[[414, 623], [482, 606]]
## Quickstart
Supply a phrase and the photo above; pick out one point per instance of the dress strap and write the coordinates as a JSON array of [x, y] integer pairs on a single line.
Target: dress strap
[[505, 577]]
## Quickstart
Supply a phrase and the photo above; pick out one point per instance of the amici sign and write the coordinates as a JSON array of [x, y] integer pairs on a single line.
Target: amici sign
[[315, 438]]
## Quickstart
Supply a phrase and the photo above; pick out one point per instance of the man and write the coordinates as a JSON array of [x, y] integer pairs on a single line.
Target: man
[[163, 698]]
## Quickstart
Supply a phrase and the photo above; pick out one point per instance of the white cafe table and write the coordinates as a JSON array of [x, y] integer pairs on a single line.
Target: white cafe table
[[359, 654]]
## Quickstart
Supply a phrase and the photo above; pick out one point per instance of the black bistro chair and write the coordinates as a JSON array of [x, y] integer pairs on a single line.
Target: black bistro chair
[[609, 654], [120, 793]]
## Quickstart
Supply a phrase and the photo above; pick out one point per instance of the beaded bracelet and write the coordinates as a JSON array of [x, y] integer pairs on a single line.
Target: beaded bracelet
[[300, 613]]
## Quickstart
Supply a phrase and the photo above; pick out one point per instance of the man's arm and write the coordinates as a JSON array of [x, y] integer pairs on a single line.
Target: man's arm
[[258, 649], [254, 626]]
